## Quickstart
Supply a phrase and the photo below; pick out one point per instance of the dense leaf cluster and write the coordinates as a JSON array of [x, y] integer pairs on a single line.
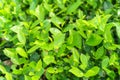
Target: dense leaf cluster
[[59, 40]]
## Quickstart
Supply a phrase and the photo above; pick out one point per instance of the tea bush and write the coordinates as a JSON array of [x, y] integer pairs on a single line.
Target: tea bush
[[59, 40]]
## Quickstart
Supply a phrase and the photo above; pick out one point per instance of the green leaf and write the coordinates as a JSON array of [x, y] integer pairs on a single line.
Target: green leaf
[[32, 49], [110, 73], [40, 12], [75, 55], [105, 62], [77, 40], [27, 77], [58, 37], [55, 31], [60, 4], [58, 40], [94, 40], [17, 72], [76, 72], [21, 37], [110, 46], [61, 51], [114, 59], [15, 28], [51, 70], [35, 77], [73, 6], [47, 6], [34, 24], [21, 52], [38, 65], [92, 72], [2, 78], [99, 53], [49, 59], [40, 73], [84, 59], [2, 69], [70, 38], [57, 21], [33, 4], [103, 21], [10, 53], [107, 35], [117, 29], [69, 27], [8, 76]]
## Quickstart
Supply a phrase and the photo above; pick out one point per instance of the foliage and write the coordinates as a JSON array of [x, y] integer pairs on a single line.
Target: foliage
[[59, 39]]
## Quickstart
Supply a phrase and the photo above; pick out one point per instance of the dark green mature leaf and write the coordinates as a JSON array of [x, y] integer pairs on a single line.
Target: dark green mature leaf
[[94, 40]]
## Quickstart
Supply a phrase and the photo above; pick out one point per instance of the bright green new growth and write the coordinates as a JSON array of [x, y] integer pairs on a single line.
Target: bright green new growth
[[59, 39]]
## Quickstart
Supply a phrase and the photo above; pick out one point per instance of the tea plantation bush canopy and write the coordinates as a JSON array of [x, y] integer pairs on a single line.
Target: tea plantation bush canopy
[[59, 39]]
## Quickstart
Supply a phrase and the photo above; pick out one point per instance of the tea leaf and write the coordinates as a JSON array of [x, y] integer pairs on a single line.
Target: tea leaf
[[99, 53], [49, 59], [76, 72], [92, 72], [21, 52], [73, 6], [94, 40], [21, 37]]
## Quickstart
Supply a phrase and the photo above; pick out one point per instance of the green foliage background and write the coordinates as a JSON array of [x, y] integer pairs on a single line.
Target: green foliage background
[[59, 40]]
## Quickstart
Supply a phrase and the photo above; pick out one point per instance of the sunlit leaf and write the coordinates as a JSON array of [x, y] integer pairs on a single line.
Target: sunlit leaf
[[21, 37], [92, 72], [73, 6], [21, 52], [49, 59], [76, 72], [94, 40]]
